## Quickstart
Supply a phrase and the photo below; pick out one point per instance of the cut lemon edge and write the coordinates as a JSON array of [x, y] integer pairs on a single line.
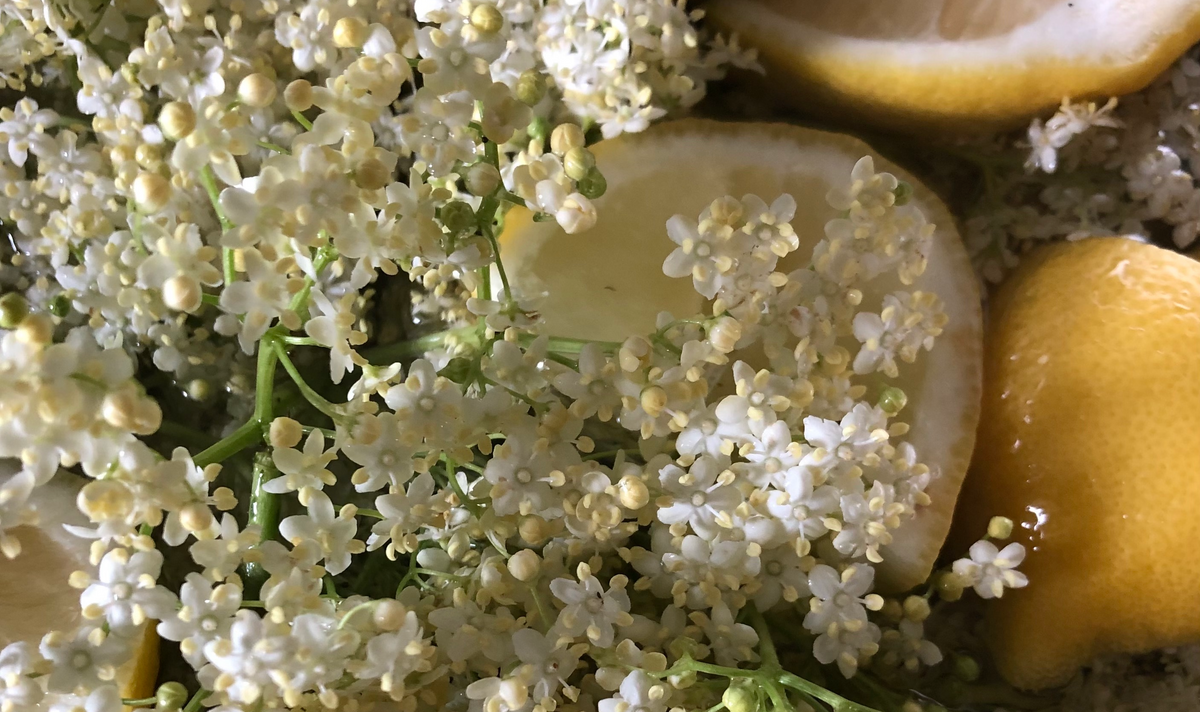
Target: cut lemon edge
[[607, 284], [42, 597], [978, 84]]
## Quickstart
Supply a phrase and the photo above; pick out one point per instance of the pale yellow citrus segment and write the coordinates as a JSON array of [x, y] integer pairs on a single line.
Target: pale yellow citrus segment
[[1090, 442], [34, 595], [608, 283], [926, 65]]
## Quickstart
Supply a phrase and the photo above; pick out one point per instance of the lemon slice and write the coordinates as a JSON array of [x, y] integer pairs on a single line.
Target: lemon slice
[[968, 64], [34, 595], [608, 283]]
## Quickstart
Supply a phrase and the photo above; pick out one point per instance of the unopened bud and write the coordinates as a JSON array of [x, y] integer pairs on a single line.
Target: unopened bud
[[739, 698], [298, 95], [1000, 528], [458, 216], [903, 193], [487, 19], [538, 129], [60, 305], [531, 87], [565, 137], [151, 192], [533, 530], [653, 400], [578, 162], [725, 334], [285, 432], [177, 120], [916, 608], [170, 696], [483, 179], [593, 185], [196, 517], [950, 586], [524, 565], [892, 400], [389, 614], [257, 90], [371, 174], [13, 310], [350, 32], [36, 329], [966, 668], [182, 293], [199, 389], [633, 493]]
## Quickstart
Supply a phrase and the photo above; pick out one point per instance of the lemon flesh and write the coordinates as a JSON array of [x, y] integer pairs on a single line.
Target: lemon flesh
[[1090, 442], [34, 596], [960, 64], [608, 283]]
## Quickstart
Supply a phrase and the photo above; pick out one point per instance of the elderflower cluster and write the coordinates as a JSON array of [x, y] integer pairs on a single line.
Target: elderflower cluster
[[1092, 170], [205, 208]]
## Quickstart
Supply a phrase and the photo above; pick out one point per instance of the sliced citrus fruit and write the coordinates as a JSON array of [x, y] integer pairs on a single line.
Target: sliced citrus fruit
[[1090, 442], [34, 595], [608, 283], [970, 64]]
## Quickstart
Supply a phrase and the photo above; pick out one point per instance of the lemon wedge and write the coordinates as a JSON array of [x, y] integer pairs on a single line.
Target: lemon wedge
[[963, 64], [1091, 352], [34, 595], [608, 283]]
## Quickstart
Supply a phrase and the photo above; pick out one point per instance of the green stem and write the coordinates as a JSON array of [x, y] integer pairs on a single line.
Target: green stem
[[316, 399], [264, 512], [471, 505], [141, 702], [372, 513], [248, 434], [193, 705], [209, 180], [418, 347], [302, 120], [272, 147], [766, 646]]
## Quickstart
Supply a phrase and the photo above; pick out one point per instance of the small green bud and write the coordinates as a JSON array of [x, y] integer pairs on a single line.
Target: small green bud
[[487, 19], [593, 185], [13, 310], [1000, 528], [738, 697], [903, 193], [966, 668], [458, 217], [892, 400], [171, 696], [538, 129], [531, 87], [483, 179], [59, 305], [578, 162]]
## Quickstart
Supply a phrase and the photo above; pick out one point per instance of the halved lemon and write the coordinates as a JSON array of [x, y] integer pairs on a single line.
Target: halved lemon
[[34, 595], [967, 64], [608, 283]]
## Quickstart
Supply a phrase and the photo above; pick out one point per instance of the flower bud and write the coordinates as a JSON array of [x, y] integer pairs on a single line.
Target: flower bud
[[389, 614], [916, 608], [60, 305], [257, 90], [533, 530], [350, 32], [285, 432], [487, 19], [892, 400], [483, 179], [593, 185], [565, 137], [538, 128], [36, 329], [739, 698], [458, 217], [177, 120], [950, 586], [653, 400], [371, 174], [524, 565], [298, 96], [196, 517], [903, 193], [13, 310], [147, 417], [151, 192], [632, 492], [725, 334], [531, 87], [182, 293], [1000, 528], [578, 162], [199, 389], [170, 696], [966, 668], [102, 500]]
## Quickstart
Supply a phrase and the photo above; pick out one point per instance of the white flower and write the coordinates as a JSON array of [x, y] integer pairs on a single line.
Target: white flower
[[18, 688], [706, 251], [703, 497], [265, 296], [638, 693], [384, 446], [125, 592], [334, 329], [427, 404], [548, 665], [221, 556], [23, 129], [241, 664], [590, 609], [206, 614], [391, 657], [991, 570], [334, 534], [838, 615], [15, 510], [78, 663], [404, 514], [303, 469], [732, 642]]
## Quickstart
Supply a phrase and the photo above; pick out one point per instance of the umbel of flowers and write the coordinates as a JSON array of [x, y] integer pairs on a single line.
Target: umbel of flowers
[[218, 200]]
